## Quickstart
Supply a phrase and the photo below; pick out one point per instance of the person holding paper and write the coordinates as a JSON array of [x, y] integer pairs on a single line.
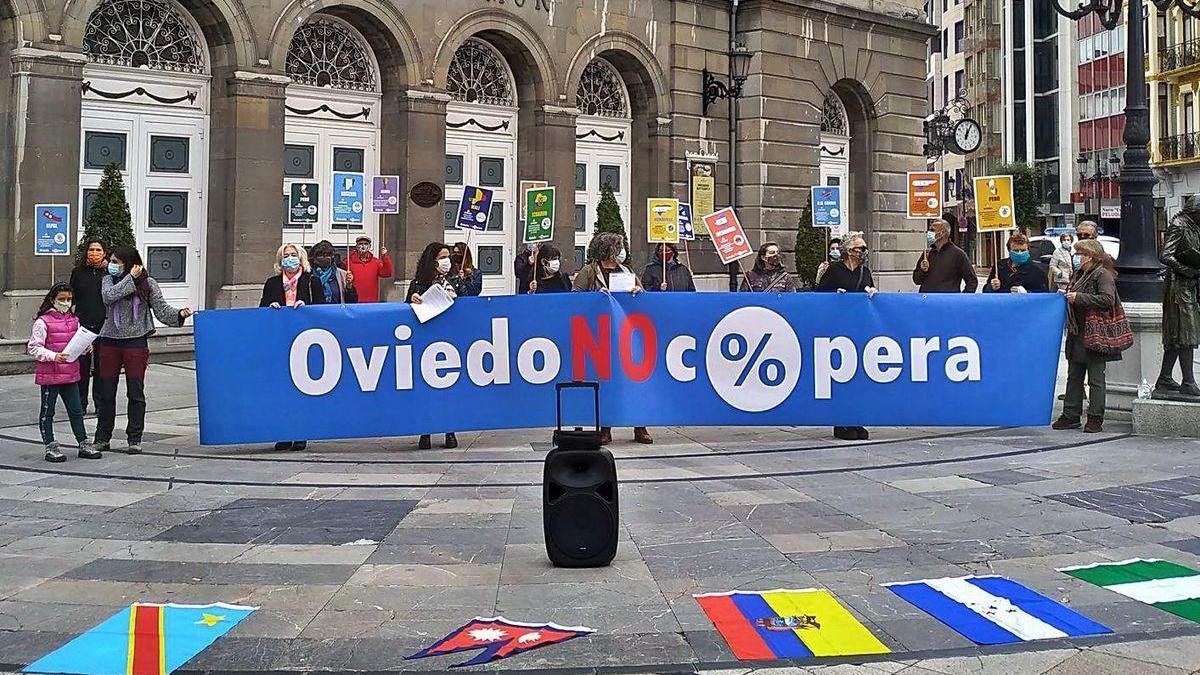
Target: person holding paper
[[86, 279], [56, 374], [464, 277], [608, 273], [550, 278], [768, 274], [678, 276], [432, 270], [133, 300]]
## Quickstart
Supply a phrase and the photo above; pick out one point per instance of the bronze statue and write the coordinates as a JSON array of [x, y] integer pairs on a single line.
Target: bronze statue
[[1181, 302]]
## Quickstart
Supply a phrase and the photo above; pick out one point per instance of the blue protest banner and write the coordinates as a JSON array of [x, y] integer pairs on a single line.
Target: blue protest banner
[[474, 209], [348, 198], [343, 371], [51, 229], [827, 206]]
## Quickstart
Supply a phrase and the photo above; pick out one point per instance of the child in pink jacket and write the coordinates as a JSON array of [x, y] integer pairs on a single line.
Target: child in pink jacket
[[53, 328]]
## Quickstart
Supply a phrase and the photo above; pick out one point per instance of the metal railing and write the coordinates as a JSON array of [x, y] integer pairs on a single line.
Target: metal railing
[[1179, 56], [1182, 146]]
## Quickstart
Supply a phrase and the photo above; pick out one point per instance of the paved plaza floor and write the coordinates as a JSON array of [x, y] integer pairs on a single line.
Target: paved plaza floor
[[361, 553]]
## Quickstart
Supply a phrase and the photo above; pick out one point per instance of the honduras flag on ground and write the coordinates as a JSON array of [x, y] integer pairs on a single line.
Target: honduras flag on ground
[[991, 610], [143, 639]]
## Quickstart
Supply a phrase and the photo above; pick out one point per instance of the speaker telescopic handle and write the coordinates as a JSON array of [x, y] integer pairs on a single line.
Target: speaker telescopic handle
[[558, 388]]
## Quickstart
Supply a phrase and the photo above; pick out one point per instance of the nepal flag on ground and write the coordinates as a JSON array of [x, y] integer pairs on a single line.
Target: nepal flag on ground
[[499, 638]]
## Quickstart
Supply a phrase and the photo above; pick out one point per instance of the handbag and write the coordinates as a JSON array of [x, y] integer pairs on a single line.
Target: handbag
[[1107, 332]]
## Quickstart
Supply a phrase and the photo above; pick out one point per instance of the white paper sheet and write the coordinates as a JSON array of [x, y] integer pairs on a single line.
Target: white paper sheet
[[80, 341], [433, 302], [621, 282]]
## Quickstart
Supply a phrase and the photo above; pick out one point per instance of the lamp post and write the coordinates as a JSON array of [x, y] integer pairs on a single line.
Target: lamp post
[[1138, 264], [715, 90]]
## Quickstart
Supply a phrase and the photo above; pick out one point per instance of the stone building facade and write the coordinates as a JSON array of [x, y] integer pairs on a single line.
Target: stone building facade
[[213, 107]]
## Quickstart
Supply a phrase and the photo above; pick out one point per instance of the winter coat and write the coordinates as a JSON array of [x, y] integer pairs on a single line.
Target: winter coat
[[1032, 276], [367, 274], [950, 271], [308, 291], [839, 276], [523, 269], [343, 291], [679, 277], [465, 286], [769, 281], [590, 278], [50, 335], [89, 305], [1096, 291], [128, 316], [1061, 266], [559, 282]]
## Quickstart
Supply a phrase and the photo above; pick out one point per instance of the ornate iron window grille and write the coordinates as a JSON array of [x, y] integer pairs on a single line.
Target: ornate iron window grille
[[833, 116], [327, 53], [601, 91], [478, 74], [148, 34]]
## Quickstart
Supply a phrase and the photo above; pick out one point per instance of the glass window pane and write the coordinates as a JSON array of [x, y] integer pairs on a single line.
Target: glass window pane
[[168, 209], [490, 260], [451, 213], [580, 218], [580, 255], [496, 217], [491, 172], [298, 161], [169, 154], [581, 176], [101, 148], [89, 196], [454, 169], [167, 264], [611, 175], [348, 159]]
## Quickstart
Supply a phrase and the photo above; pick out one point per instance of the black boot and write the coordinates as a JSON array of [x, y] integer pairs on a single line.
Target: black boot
[[845, 433], [451, 441], [1189, 389], [283, 446], [424, 443], [861, 433], [1065, 422]]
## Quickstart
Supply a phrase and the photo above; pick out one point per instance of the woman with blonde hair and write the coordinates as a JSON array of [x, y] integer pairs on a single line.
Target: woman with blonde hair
[[1093, 289], [850, 274], [293, 284]]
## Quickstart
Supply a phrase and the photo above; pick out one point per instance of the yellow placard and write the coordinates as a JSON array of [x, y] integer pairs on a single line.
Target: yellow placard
[[703, 192], [662, 221], [994, 207]]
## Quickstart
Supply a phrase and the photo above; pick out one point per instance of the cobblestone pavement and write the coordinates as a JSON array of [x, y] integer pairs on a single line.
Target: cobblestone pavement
[[361, 553]]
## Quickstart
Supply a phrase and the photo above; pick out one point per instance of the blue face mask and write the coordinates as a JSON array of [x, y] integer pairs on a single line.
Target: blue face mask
[[1076, 261], [115, 269], [291, 262], [835, 254], [930, 236], [1018, 257]]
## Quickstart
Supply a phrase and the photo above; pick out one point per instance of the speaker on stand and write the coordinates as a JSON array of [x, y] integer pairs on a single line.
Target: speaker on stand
[[580, 512]]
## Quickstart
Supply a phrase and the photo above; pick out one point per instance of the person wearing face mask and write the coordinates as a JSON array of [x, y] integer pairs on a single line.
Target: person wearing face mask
[[1060, 262], [133, 300], [943, 267], [834, 254], [523, 267], [1018, 274], [466, 279], [550, 278], [86, 280], [678, 277], [768, 274], [366, 270], [57, 376], [851, 275], [433, 269], [337, 284], [292, 286]]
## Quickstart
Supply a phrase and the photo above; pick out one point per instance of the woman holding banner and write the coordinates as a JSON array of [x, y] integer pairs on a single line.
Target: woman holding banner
[[433, 269], [768, 275], [850, 275], [597, 276], [550, 278]]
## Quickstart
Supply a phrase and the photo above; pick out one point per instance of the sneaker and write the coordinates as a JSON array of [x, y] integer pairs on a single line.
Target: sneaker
[[424, 443], [134, 449], [89, 451], [300, 445], [642, 435], [451, 441], [1094, 425], [53, 454], [101, 446], [1064, 422], [283, 446]]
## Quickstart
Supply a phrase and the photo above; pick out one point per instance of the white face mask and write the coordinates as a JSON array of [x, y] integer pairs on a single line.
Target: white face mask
[[621, 256], [553, 265], [63, 307], [444, 265]]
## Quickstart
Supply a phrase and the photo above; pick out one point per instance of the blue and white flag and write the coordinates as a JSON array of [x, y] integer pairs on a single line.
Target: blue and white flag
[[992, 610]]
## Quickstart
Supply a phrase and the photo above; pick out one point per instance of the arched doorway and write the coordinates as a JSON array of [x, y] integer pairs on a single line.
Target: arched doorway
[[332, 126], [481, 150], [602, 147], [145, 108], [835, 154]]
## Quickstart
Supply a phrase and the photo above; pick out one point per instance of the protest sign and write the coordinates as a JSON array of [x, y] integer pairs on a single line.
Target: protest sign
[[827, 206], [52, 229], [347, 198], [662, 359], [687, 232], [385, 194], [924, 194], [539, 215], [728, 235], [662, 220], [524, 187], [474, 209], [994, 208], [304, 204]]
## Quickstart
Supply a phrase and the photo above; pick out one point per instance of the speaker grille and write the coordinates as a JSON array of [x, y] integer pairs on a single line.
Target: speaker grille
[[581, 525]]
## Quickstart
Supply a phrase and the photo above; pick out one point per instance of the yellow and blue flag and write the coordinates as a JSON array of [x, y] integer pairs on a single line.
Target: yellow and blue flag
[[143, 639], [783, 624]]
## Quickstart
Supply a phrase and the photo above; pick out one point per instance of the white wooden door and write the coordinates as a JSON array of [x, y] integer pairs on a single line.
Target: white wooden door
[[486, 160]]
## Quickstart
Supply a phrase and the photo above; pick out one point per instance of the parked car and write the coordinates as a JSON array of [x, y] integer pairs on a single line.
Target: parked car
[[1042, 248]]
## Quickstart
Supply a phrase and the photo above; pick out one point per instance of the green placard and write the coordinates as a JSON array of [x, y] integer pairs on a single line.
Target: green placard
[[539, 215]]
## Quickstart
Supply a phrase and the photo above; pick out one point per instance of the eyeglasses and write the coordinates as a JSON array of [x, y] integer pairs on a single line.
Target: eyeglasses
[[1085, 235], [860, 249]]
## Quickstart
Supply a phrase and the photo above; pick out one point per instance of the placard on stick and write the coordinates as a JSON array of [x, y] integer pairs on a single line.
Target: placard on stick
[[539, 215], [662, 220], [728, 235]]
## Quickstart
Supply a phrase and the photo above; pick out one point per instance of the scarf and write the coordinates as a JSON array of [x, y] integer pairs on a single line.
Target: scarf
[[326, 277]]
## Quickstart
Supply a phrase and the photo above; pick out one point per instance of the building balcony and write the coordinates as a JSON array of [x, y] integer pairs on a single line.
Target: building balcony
[[1178, 60], [1176, 150]]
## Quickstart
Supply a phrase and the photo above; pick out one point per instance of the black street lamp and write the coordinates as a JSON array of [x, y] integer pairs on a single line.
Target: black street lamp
[[1138, 264], [715, 90]]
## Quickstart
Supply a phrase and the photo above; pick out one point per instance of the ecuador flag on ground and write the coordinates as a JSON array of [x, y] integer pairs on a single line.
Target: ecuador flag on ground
[[143, 639], [785, 624], [1166, 585]]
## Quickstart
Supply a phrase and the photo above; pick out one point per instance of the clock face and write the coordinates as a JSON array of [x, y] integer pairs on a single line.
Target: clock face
[[967, 135]]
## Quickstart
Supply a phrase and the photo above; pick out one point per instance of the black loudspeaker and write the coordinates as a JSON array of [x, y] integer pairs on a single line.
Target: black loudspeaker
[[580, 512]]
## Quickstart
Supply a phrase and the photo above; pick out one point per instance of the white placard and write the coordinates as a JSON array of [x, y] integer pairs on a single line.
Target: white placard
[[621, 282]]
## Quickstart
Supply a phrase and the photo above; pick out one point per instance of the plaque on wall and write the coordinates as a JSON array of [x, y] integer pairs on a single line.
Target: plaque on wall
[[426, 194]]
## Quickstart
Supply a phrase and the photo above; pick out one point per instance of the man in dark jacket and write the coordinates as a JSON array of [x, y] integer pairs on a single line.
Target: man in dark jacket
[[943, 267], [1018, 273], [679, 277], [523, 267]]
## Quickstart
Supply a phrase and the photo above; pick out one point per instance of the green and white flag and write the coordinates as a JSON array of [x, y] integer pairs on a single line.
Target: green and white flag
[[1166, 585]]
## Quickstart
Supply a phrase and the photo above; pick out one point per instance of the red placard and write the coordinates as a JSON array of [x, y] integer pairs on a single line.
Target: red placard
[[728, 235]]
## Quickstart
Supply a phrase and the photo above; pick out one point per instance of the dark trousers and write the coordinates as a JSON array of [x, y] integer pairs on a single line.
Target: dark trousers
[[1073, 404], [112, 360], [89, 378], [69, 393]]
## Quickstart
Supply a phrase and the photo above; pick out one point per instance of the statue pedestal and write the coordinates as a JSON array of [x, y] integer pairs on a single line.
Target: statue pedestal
[[1139, 362], [1158, 417]]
